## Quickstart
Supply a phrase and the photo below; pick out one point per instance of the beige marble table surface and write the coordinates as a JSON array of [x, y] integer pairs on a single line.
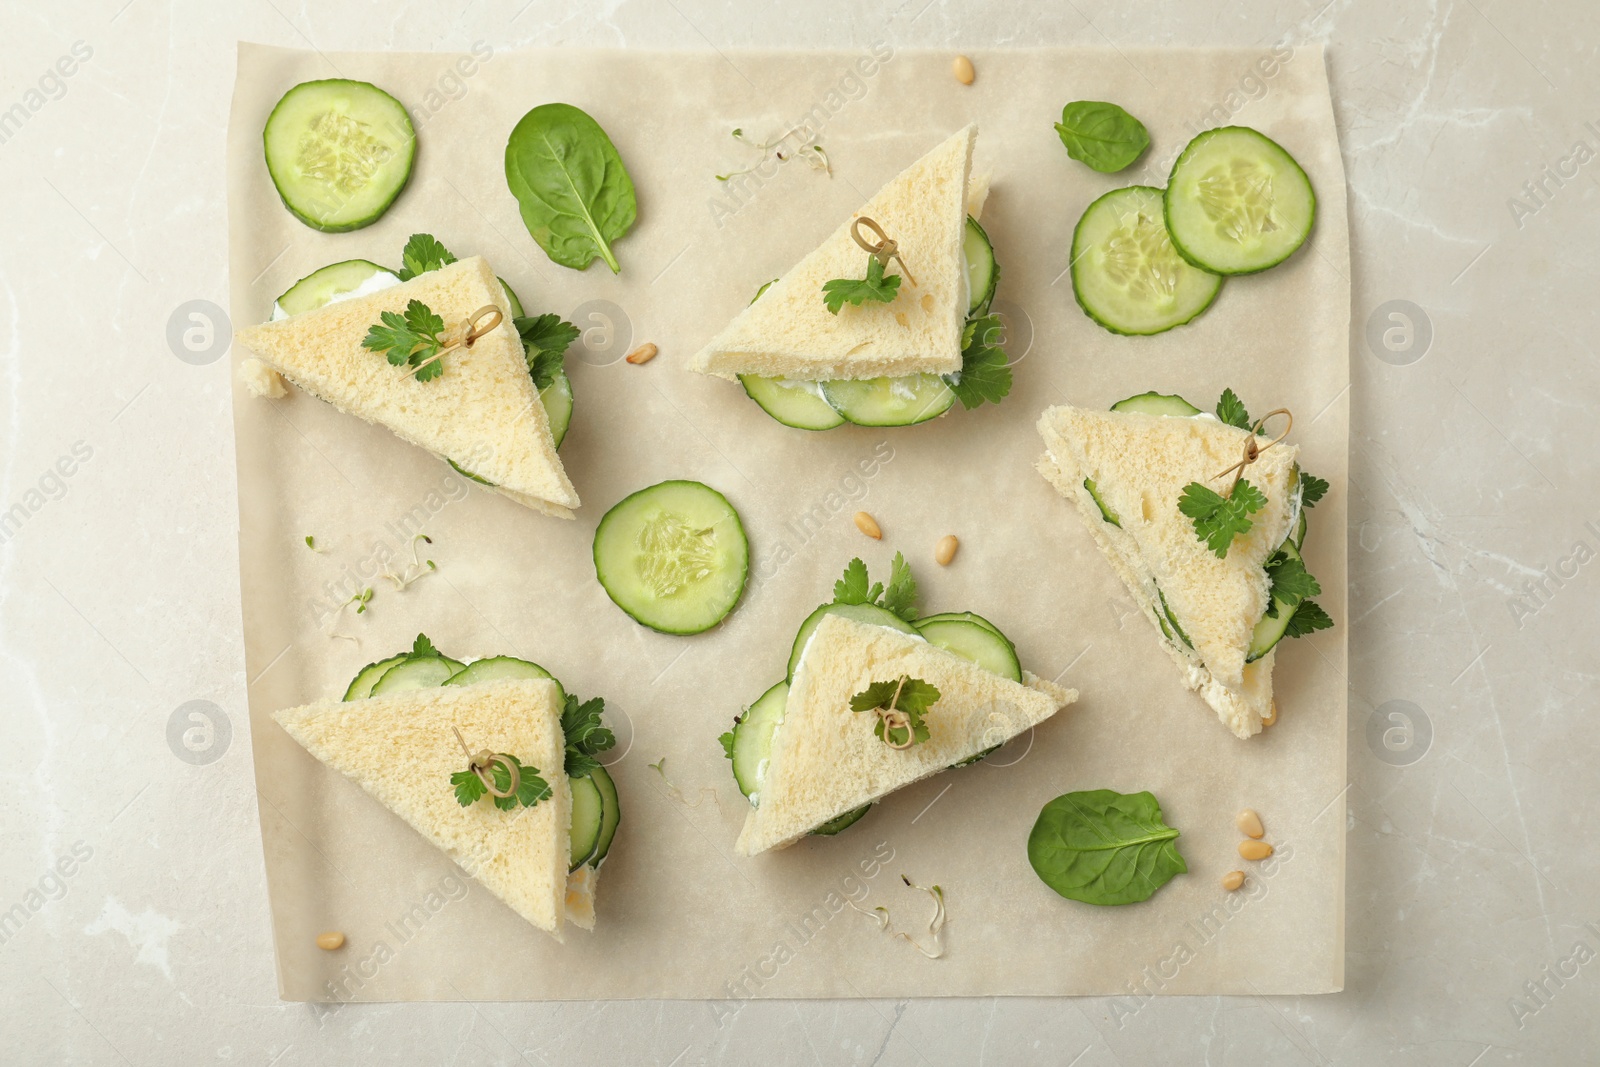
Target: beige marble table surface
[[133, 910]]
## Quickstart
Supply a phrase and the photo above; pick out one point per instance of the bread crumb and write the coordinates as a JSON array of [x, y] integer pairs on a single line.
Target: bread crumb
[[262, 380]]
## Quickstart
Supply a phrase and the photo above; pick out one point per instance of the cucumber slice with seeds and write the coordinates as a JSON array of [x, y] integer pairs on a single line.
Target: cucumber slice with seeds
[[983, 274], [339, 152], [1237, 203], [557, 400], [588, 815], [426, 672], [798, 404], [1157, 404], [612, 817], [673, 556], [903, 401], [361, 685], [976, 642], [335, 282], [1126, 274], [868, 613]]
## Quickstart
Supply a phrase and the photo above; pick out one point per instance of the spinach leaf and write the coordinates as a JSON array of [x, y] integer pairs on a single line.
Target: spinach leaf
[[1104, 847], [573, 191], [1102, 135]]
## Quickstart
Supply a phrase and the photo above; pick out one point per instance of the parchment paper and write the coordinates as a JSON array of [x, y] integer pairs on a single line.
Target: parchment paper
[[679, 914]]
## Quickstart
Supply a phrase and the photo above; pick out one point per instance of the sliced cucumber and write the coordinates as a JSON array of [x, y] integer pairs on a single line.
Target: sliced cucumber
[[1300, 531], [1126, 274], [970, 760], [1157, 404], [613, 815], [890, 401], [1270, 630], [367, 677], [500, 668], [983, 645], [1173, 619], [1237, 203], [511, 298], [840, 822], [673, 556], [963, 616], [459, 469], [1105, 510], [588, 816], [983, 274], [339, 152], [330, 284], [868, 613], [557, 400], [426, 672], [797, 404], [752, 739]]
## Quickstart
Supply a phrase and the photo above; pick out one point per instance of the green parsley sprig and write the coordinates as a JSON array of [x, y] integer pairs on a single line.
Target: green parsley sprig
[[877, 286], [545, 340], [422, 253], [531, 789], [586, 737], [415, 338], [901, 704], [1219, 519], [899, 597], [985, 374]]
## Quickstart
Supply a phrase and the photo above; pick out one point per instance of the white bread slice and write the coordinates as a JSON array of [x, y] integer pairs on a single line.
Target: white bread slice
[[790, 333], [482, 413], [1140, 464], [400, 749], [826, 760]]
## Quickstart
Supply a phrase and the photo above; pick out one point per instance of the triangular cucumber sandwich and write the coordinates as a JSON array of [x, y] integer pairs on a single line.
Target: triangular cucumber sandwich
[[400, 747], [476, 406], [790, 332], [828, 762], [1215, 567]]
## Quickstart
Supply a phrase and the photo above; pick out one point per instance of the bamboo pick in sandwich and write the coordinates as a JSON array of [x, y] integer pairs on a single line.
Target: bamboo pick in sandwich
[[884, 249], [1252, 451]]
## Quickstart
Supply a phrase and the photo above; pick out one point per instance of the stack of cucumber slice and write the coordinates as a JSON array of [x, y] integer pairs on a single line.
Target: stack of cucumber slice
[[902, 401], [358, 277], [596, 809], [1145, 260], [968, 635]]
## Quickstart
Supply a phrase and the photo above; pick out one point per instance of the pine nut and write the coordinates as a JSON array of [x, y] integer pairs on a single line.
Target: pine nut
[[1232, 880], [331, 940], [643, 354], [868, 525], [1249, 824], [1254, 850], [962, 69], [945, 550]]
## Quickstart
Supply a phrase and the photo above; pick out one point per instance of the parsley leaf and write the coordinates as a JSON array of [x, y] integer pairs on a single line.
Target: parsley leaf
[[413, 339], [1312, 489], [727, 743], [1217, 518], [1308, 618], [422, 254], [1230, 409], [586, 738], [985, 373], [1291, 582], [912, 696], [545, 340], [876, 287], [901, 596], [531, 789], [422, 648], [852, 588]]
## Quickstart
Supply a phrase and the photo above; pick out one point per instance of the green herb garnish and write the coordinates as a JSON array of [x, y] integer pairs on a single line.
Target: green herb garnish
[[985, 371], [1101, 135], [1230, 409], [1308, 618], [901, 704], [877, 287], [1291, 582], [586, 738], [726, 740], [531, 789], [1312, 489], [414, 338], [1217, 518], [545, 340], [1104, 847], [900, 597], [422, 254], [422, 648]]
